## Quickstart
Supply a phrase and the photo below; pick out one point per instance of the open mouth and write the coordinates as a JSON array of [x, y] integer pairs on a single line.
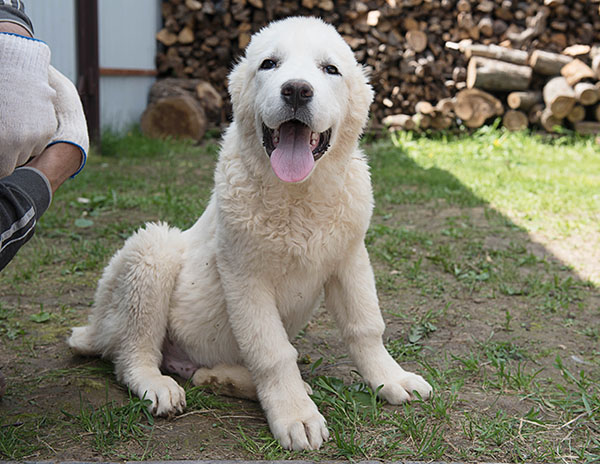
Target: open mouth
[[293, 149]]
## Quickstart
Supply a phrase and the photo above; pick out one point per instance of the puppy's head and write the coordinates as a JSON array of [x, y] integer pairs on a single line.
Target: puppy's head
[[301, 91]]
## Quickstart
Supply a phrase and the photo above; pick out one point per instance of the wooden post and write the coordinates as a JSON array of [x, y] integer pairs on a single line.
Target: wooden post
[[88, 74]]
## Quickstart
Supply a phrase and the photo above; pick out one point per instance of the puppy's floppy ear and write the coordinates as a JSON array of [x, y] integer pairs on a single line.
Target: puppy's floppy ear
[[361, 96], [238, 81]]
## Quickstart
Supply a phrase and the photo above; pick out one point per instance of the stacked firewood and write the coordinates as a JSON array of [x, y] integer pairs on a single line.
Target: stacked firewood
[[537, 89], [402, 42]]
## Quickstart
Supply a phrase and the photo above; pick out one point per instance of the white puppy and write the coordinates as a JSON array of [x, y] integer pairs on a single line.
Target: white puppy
[[292, 201]]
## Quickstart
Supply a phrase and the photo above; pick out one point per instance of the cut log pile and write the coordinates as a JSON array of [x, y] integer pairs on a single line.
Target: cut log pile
[[537, 89], [403, 43]]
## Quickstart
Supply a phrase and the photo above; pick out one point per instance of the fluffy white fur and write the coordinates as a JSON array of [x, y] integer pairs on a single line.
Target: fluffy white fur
[[231, 291]]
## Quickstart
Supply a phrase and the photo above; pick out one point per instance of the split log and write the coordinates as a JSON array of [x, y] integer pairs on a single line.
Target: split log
[[549, 121], [523, 100], [596, 65], [441, 122], [496, 52], [515, 120], [576, 71], [587, 127], [475, 106], [486, 26], [399, 121], [548, 64], [211, 101], [193, 5], [536, 25], [586, 93], [488, 74], [424, 107], [166, 37], [576, 114], [577, 50], [445, 106], [559, 97], [186, 35]]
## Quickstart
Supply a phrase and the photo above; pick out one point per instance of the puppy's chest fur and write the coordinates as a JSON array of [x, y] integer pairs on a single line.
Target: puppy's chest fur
[[306, 225]]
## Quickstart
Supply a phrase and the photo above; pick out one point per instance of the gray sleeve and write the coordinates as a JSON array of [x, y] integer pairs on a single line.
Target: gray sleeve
[[24, 196], [13, 11]]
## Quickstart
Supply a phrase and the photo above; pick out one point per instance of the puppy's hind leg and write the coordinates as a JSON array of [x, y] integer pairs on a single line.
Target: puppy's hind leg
[[230, 380], [129, 320]]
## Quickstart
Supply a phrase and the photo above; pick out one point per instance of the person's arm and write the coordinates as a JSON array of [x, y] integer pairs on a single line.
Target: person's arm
[[24, 197], [26, 194]]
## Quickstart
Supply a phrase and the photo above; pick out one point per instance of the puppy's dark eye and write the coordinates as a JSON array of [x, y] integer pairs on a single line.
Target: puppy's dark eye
[[331, 69], [268, 64]]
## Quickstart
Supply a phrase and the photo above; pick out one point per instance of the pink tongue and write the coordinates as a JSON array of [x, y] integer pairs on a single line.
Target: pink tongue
[[293, 160]]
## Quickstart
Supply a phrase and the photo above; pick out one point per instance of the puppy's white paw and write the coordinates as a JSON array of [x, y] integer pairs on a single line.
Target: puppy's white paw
[[306, 431], [167, 396], [400, 389]]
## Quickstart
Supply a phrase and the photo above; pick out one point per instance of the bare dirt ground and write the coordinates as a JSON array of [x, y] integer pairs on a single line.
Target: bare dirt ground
[[440, 272]]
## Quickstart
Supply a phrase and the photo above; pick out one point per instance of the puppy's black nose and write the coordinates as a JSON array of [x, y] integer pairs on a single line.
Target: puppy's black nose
[[297, 93]]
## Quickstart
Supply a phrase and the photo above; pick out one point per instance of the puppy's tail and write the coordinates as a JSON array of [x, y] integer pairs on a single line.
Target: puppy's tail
[[133, 295]]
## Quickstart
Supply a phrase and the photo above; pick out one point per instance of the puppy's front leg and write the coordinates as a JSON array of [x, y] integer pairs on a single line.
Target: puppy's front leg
[[293, 417], [351, 296]]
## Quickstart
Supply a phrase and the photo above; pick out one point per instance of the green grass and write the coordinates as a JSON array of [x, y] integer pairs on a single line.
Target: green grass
[[506, 333], [111, 423], [547, 184]]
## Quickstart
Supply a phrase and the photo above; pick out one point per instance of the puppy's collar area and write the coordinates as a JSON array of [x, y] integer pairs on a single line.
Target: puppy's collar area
[[293, 149]]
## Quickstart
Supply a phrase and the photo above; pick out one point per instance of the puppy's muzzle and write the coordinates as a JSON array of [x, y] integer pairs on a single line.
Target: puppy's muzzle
[[297, 93]]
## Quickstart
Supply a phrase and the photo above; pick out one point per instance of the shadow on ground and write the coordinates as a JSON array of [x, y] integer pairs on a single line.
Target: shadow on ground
[[507, 334]]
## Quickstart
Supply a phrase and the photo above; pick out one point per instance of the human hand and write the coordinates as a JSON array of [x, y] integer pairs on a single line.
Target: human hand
[[27, 114], [72, 126]]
